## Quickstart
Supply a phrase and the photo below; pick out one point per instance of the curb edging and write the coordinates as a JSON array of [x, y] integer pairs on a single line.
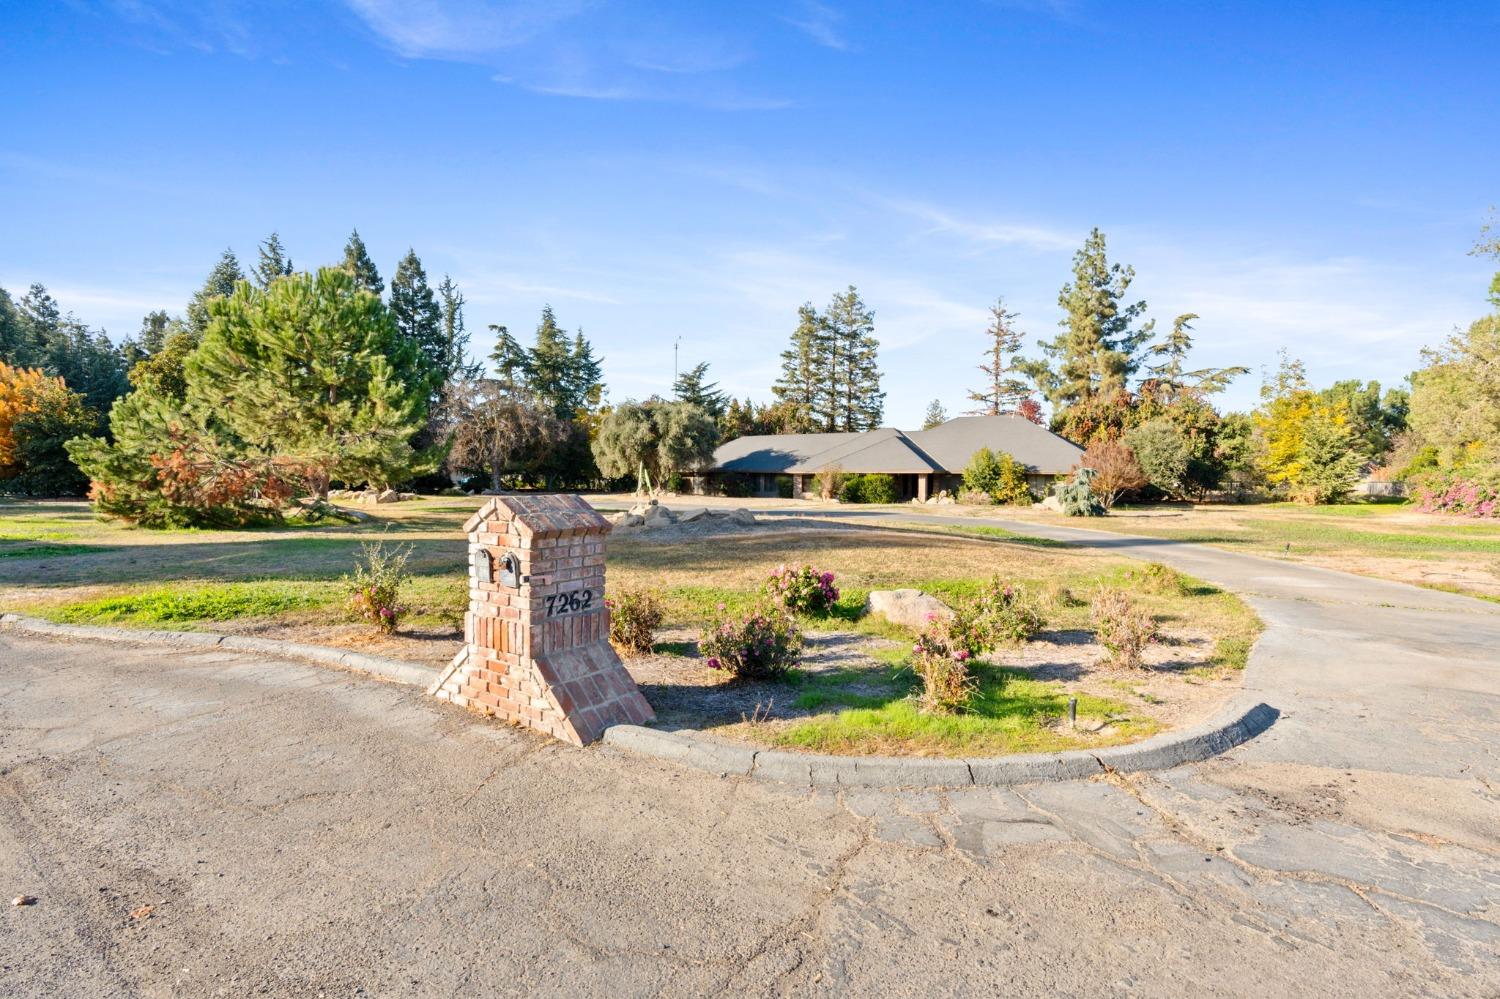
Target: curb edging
[[1236, 724], [395, 670]]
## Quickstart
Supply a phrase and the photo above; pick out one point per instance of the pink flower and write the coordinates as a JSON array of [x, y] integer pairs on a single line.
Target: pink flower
[[713, 662]]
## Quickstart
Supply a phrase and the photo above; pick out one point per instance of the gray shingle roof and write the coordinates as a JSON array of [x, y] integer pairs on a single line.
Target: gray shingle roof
[[946, 448]]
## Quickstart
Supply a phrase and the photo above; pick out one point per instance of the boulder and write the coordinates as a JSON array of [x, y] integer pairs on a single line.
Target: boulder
[[945, 501], [407, 497], [742, 517], [659, 516], [368, 496], [907, 608], [626, 519], [1051, 503], [688, 516], [388, 496]]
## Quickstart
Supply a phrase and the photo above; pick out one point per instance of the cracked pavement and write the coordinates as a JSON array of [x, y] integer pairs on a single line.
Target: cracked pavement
[[300, 831]]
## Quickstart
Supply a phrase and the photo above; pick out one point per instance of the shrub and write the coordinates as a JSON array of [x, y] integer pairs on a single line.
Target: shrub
[[1153, 577], [880, 489], [762, 645], [1077, 495], [941, 658], [802, 591], [1122, 627], [375, 587], [1467, 492], [1006, 614], [830, 483], [634, 616], [982, 472], [869, 489]]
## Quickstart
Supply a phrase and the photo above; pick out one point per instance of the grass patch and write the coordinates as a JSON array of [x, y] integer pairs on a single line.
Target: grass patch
[[46, 549], [1010, 714], [987, 531], [189, 604]]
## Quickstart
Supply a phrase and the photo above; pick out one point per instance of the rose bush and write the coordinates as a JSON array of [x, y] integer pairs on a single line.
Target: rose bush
[[802, 591], [634, 616], [762, 645]]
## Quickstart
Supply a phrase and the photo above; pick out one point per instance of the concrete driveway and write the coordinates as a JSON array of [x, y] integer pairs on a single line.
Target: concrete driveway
[[296, 831]]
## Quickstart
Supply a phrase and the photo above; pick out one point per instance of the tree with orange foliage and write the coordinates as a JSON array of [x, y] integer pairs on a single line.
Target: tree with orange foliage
[[38, 414]]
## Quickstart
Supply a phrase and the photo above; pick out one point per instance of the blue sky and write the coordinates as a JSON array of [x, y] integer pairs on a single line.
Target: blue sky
[[1307, 176]]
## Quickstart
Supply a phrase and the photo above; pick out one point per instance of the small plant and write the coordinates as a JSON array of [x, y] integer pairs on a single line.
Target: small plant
[[1153, 577], [942, 658], [830, 482], [634, 616], [1006, 614], [802, 591], [375, 587], [762, 645], [1122, 627]]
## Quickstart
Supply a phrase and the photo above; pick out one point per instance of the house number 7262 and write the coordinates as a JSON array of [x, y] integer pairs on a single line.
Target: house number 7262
[[569, 603]]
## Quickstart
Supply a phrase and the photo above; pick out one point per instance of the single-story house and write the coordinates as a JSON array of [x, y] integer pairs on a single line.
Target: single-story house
[[923, 462]]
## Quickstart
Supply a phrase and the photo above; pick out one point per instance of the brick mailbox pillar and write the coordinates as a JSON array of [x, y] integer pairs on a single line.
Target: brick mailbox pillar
[[536, 636]]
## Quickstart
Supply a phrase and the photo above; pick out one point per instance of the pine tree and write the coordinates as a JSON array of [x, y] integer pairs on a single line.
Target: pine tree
[[155, 328], [585, 376], [220, 284], [804, 388], [550, 367], [358, 263], [312, 369], [936, 415], [87, 361], [419, 321], [1099, 346], [273, 263], [691, 386], [1169, 375], [858, 402], [456, 364], [1003, 390], [18, 346], [509, 359]]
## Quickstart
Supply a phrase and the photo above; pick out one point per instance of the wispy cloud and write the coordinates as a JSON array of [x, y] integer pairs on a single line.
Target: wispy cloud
[[821, 23], [201, 25], [978, 230], [550, 47], [439, 29]]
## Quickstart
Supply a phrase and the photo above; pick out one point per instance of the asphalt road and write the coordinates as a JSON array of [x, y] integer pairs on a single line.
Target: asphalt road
[[297, 831]]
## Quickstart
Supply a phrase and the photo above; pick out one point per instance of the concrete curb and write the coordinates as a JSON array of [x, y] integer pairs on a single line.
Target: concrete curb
[[394, 670], [1236, 724]]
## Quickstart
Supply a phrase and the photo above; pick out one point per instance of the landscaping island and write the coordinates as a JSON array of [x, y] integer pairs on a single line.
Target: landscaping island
[[851, 693]]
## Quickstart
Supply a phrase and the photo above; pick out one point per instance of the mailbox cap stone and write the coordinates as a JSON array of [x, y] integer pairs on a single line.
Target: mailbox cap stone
[[541, 515]]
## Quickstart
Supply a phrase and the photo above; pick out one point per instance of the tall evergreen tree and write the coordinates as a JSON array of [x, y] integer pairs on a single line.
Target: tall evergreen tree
[[936, 415], [62, 346], [358, 263], [1003, 390], [804, 389], [220, 284], [155, 328], [456, 363], [550, 367], [18, 346], [692, 386], [509, 359], [857, 402], [1170, 374], [585, 376], [419, 321], [273, 263], [1099, 345]]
